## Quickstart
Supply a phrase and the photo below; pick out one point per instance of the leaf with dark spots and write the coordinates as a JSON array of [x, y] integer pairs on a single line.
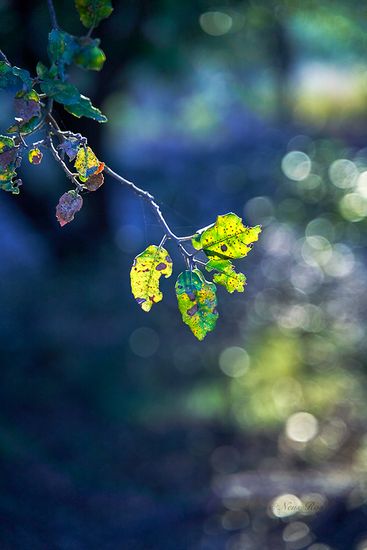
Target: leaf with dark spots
[[226, 274], [145, 274], [227, 238], [197, 302], [192, 310]]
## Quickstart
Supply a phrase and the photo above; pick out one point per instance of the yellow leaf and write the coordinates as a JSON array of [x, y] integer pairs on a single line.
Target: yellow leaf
[[86, 163], [147, 269]]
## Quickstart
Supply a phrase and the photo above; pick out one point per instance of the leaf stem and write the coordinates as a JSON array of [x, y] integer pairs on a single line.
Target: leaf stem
[[4, 58], [58, 159], [51, 9]]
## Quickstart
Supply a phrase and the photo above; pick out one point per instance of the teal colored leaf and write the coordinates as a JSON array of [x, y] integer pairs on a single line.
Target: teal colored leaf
[[84, 107], [62, 47], [13, 78], [197, 302], [62, 92], [91, 12], [227, 238], [226, 275]]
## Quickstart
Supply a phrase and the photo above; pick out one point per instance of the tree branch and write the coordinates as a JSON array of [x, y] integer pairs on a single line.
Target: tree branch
[[145, 195], [58, 159], [51, 9]]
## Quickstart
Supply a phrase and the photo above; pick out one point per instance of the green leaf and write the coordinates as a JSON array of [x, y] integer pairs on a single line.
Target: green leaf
[[226, 275], [84, 107], [197, 302], [14, 78], [62, 92], [25, 128], [91, 12], [147, 269], [226, 238], [89, 55]]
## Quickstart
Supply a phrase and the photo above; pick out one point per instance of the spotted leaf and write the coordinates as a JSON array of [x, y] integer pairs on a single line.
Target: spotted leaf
[[226, 238], [197, 302], [226, 275], [86, 163], [147, 269]]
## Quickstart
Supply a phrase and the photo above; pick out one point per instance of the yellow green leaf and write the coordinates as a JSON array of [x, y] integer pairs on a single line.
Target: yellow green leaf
[[227, 238], [226, 275], [86, 163], [147, 269], [91, 12], [197, 302]]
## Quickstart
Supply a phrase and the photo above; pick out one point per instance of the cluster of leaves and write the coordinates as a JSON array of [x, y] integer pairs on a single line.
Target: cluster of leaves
[[34, 96], [226, 240], [213, 247]]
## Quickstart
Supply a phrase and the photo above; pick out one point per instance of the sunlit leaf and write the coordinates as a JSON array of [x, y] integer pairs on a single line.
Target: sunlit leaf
[[69, 204], [84, 107], [91, 12], [226, 275], [89, 55], [226, 238], [35, 156], [197, 302], [14, 78], [86, 163], [147, 269], [27, 105]]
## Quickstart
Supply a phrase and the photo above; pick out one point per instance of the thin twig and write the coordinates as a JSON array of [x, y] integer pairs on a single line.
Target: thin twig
[[4, 58], [51, 9], [58, 159]]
